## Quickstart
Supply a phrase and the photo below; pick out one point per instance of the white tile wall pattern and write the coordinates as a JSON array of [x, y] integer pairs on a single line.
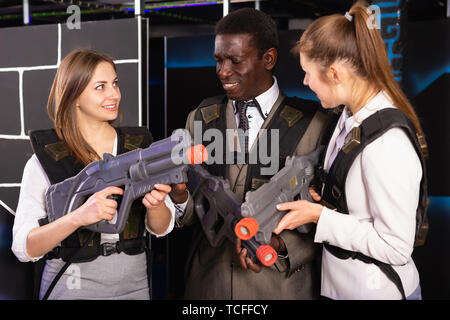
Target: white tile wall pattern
[[29, 58]]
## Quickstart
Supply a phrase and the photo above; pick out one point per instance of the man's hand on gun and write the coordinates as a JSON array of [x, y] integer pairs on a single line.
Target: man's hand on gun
[[246, 263], [179, 193]]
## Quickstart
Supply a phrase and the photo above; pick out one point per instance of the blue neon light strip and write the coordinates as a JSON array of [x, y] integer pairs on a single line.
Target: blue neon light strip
[[439, 204], [303, 93], [390, 15], [388, 4], [421, 81], [187, 52]]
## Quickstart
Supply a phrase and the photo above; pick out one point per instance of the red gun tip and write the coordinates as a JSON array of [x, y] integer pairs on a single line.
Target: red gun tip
[[197, 154], [267, 255]]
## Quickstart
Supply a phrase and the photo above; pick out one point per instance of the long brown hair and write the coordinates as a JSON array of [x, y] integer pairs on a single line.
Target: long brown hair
[[72, 77], [336, 38]]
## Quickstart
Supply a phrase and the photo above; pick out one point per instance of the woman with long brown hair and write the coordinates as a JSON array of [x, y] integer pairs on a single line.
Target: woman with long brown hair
[[367, 215], [83, 103]]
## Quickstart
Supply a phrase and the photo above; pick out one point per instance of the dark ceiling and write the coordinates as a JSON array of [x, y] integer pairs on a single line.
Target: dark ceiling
[[176, 13]]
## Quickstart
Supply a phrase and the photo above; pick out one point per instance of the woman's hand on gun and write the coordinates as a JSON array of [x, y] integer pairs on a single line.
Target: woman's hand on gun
[[97, 207], [300, 212]]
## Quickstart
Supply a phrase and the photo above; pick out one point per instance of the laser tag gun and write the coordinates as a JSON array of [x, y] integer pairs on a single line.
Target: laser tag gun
[[291, 183], [218, 210], [136, 172]]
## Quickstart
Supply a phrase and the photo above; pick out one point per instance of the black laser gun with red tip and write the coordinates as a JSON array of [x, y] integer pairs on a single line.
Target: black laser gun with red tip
[[163, 162], [218, 210]]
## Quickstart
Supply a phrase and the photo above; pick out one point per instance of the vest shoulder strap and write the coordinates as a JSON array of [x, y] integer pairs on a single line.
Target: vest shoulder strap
[[369, 130], [212, 114], [130, 138], [212, 100], [291, 119], [53, 155]]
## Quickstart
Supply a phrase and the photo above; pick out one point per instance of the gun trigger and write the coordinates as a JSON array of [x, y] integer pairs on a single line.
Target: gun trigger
[[107, 156]]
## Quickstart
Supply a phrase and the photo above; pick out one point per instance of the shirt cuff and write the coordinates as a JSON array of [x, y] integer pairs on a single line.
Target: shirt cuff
[[171, 207], [323, 225], [20, 247], [180, 208]]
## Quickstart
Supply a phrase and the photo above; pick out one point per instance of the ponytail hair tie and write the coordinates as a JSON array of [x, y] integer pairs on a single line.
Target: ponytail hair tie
[[349, 16]]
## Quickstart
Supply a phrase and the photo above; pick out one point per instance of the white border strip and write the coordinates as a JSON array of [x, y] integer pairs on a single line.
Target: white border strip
[[13, 137], [126, 61], [21, 69], [139, 22], [58, 59], [4, 205], [22, 117]]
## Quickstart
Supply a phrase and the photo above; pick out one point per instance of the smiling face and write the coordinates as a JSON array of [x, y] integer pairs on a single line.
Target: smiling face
[[100, 99], [314, 79], [244, 75]]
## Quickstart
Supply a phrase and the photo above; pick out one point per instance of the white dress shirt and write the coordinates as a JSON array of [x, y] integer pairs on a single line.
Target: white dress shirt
[[31, 208], [382, 189], [266, 101]]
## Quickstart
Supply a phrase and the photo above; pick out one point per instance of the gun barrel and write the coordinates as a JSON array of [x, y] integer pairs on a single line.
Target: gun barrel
[[162, 148], [136, 171]]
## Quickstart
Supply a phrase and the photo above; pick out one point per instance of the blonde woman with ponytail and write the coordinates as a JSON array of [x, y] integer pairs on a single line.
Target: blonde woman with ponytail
[[345, 63]]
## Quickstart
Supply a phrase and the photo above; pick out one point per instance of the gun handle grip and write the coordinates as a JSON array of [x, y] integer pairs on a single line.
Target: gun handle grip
[[118, 223]]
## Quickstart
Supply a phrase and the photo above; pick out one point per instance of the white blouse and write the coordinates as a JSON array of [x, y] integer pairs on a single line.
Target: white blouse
[[382, 189]]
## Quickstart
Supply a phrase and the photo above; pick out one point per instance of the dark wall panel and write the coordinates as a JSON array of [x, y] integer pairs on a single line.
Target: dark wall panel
[[15, 277], [426, 81], [36, 88], [117, 38], [197, 84], [10, 196], [128, 84], [9, 91], [31, 46], [14, 155]]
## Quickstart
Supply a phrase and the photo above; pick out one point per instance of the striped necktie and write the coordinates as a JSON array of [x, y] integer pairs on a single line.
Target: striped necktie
[[242, 107]]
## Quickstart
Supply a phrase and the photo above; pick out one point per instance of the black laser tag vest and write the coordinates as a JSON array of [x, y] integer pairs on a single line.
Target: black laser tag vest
[[292, 118], [59, 165], [334, 190]]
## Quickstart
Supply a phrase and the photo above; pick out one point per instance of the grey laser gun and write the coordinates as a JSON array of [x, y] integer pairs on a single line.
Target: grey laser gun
[[291, 183], [136, 172]]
